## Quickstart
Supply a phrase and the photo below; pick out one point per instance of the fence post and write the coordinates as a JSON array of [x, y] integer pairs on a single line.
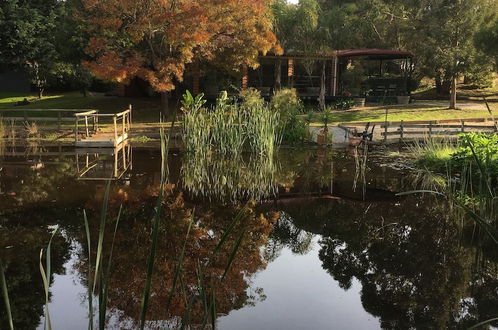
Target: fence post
[[385, 127], [25, 113], [463, 126], [401, 132], [430, 130], [86, 126], [76, 129], [115, 130], [59, 120], [124, 124]]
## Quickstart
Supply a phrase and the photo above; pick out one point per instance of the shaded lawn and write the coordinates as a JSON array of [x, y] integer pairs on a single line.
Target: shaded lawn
[[411, 113], [144, 109]]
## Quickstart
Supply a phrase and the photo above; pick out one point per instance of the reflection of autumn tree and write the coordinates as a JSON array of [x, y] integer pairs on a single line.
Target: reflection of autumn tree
[[132, 248], [413, 269], [22, 235]]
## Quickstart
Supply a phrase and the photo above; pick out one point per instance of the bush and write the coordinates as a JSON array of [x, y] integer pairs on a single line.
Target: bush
[[286, 103], [479, 150]]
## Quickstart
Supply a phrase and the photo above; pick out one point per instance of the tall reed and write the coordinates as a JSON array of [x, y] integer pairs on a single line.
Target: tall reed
[[229, 127]]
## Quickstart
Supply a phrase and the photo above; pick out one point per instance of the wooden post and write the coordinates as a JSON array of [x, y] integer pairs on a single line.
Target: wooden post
[[25, 115], [115, 129], [129, 116], [334, 75], [196, 78], [401, 132], [124, 125], [430, 130], [76, 129], [245, 78], [463, 125], [59, 120], [385, 126], [86, 126], [290, 72]]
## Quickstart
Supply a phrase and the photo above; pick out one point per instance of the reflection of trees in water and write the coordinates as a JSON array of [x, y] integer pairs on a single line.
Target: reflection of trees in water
[[224, 179], [132, 248], [286, 234], [413, 270], [22, 236]]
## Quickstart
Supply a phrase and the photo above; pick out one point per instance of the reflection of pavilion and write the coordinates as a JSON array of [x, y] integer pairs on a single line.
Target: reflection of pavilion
[[103, 164]]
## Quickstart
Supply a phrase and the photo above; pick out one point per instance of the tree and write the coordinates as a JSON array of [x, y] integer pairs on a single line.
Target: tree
[[27, 37], [156, 39]]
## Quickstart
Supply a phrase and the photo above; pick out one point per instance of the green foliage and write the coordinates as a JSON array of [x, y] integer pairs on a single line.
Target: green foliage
[[288, 105], [251, 98], [478, 150], [343, 104]]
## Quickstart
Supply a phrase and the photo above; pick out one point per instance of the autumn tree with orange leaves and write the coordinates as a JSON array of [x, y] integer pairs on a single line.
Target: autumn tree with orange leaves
[[156, 39]]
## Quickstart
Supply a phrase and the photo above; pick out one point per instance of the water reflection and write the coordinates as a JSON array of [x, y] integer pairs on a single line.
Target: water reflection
[[413, 264], [229, 179]]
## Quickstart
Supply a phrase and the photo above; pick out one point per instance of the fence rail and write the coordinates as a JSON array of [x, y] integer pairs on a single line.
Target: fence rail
[[431, 129], [50, 115]]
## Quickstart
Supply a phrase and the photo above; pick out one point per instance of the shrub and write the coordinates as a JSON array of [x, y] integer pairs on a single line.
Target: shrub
[[251, 98], [478, 149], [286, 103]]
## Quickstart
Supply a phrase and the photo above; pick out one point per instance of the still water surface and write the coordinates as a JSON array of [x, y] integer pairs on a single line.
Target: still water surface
[[328, 245]]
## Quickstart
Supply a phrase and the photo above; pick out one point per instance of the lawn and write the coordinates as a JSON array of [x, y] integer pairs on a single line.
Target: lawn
[[144, 109], [395, 113]]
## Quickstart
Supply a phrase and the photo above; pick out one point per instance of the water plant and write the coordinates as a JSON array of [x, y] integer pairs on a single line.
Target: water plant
[[228, 127]]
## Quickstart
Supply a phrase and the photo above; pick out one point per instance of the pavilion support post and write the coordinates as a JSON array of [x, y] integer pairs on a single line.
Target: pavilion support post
[[196, 79], [245, 77], [278, 74], [321, 98], [290, 72], [334, 75]]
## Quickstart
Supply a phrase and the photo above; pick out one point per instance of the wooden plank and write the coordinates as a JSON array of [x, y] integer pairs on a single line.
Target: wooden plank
[[446, 126]]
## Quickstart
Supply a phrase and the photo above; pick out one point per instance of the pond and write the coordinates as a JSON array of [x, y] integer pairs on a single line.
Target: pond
[[322, 243]]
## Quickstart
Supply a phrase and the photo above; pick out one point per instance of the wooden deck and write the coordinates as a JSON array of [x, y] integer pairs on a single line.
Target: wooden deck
[[101, 140]]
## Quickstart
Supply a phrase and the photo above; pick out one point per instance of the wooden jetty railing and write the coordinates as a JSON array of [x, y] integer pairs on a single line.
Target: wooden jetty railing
[[121, 124]]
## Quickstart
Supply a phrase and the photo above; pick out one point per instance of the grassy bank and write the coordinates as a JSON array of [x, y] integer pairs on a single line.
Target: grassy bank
[[411, 112], [144, 109]]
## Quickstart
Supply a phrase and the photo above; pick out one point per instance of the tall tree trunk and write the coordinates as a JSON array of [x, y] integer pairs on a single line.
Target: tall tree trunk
[[453, 93], [278, 75], [165, 105], [40, 91], [321, 99]]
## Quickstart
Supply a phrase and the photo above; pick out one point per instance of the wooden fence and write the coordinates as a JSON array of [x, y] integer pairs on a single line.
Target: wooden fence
[[403, 131], [42, 115]]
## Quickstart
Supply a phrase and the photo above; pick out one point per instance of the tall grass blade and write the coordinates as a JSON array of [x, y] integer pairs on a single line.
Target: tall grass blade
[[107, 275], [179, 264], [234, 252], [478, 325], [229, 229], [46, 277], [103, 214], [90, 282], [5, 294]]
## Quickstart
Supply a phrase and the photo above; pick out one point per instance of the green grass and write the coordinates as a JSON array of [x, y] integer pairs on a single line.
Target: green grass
[[409, 113], [433, 154], [144, 109]]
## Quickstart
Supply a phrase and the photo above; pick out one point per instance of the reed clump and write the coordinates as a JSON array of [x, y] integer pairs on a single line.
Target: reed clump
[[229, 127]]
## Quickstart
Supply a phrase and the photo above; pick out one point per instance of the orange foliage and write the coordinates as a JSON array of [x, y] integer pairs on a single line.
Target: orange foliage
[[155, 39]]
